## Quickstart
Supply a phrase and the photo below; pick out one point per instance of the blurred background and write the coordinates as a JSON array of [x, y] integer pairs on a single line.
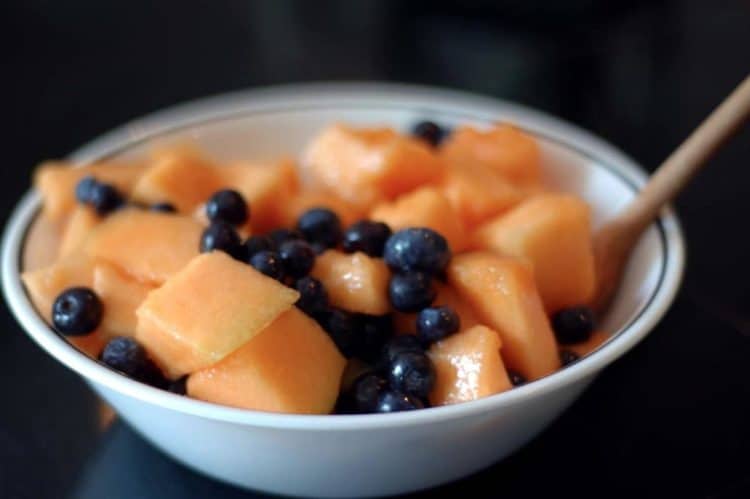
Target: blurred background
[[671, 418]]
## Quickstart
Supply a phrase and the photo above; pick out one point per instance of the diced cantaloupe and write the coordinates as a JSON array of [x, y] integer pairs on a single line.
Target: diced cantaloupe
[[57, 182], [207, 311], [291, 366], [180, 176], [504, 148], [478, 193], [266, 187], [355, 282], [82, 221], [45, 284], [468, 366], [502, 292], [121, 295], [42, 243], [595, 341], [553, 231], [365, 166], [148, 245], [424, 207], [306, 200], [446, 296]]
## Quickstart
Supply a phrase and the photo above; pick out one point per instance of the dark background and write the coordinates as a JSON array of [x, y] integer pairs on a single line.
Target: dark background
[[670, 418]]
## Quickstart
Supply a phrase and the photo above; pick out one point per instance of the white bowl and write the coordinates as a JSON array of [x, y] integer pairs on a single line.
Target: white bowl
[[364, 455]]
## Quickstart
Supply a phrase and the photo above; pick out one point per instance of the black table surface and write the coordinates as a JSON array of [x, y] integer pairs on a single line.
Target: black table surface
[[670, 418]]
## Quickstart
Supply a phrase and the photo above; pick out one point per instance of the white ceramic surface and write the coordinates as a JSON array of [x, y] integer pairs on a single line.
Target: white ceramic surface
[[366, 455]]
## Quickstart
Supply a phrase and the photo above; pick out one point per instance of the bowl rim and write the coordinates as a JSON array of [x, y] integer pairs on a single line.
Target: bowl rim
[[422, 100]]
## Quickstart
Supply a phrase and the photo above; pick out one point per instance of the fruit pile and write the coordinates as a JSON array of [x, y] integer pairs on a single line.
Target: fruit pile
[[385, 272]]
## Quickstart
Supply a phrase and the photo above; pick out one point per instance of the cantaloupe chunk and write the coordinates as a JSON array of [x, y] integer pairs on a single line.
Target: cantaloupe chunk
[[267, 188], [502, 292], [554, 232], [150, 246], [291, 366], [478, 193], [82, 221], [180, 176], [503, 148], [364, 166], [355, 282], [424, 207], [121, 296], [303, 201], [45, 284], [595, 341], [468, 366], [207, 311], [41, 246], [446, 296], [57, 182]]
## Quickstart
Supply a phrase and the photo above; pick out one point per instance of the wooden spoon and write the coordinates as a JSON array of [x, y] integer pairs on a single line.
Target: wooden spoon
[[615, 240]]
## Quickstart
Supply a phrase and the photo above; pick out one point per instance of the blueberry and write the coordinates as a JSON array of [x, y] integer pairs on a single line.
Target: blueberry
[[373, 331], [406, 343], [298, 258], [573, 325], [516, 378], [163, 208], [84, 189], [411, 292], [178, 386], [567, 357], [366, 236], [430, 132], [313, 298], [279, 236], [320, 225], [367, 390], [129, 357], [77, 311], [318, 248], [412, 373], [254, 244], [221, 236], [436, 323], [268, 263], [392, 401], [228, 206], [341, 327], [345, 404], [417, 249], [104, 198]]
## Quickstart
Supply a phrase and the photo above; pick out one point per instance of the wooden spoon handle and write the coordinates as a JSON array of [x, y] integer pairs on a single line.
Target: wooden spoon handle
[[687, 159]]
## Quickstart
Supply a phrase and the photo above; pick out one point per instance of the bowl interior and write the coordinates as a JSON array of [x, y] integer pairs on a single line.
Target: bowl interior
[[271, 133]]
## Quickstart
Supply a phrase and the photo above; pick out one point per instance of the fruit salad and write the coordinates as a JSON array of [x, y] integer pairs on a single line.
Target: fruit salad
[[378, 271]]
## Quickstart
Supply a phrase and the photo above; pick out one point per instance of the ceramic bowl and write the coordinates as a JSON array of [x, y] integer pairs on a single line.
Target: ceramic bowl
[[379, 454]]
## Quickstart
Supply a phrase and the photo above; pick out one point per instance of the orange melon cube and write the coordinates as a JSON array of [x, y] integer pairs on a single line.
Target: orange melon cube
[[553, 231], [267, 188], [208, 310], [82, 221], [150, 246], [121, 296], [364, 166], [355, 282], [446, 296], [595, 341], [57, 182], [503, 148], [468, 367], [477, 193], [306, 200], [180, 176], [424, 207], [291, 366], [503, 294], [42, 245]]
